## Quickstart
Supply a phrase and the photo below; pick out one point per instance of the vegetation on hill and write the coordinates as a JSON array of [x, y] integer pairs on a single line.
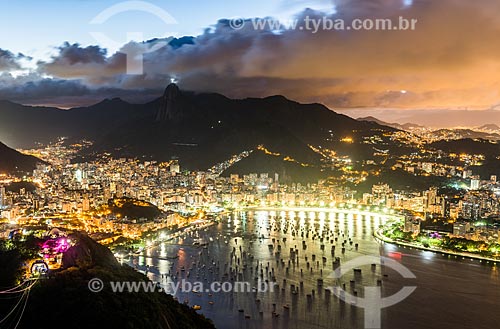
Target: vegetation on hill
[[64, 300], [133, 209], [17, 186]]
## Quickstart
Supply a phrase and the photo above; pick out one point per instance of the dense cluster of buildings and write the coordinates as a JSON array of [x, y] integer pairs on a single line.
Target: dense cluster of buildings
[[76, 195]]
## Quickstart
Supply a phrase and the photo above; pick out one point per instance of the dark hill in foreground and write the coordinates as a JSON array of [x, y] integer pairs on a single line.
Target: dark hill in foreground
[[65, 301], [13, 162]]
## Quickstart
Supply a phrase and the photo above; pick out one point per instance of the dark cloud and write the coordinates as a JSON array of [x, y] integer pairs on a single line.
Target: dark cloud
[[74, 54], [37, 90], [88, 63], [10, 61], [450, 60]]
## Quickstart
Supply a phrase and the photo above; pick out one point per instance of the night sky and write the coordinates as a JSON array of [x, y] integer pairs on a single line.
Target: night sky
[[451, 61]]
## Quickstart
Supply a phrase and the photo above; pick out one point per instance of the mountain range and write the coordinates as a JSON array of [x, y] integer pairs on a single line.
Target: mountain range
[[300, 142], [198, 129], [406, 126], [490, 127], [487, 131], [465, 133]]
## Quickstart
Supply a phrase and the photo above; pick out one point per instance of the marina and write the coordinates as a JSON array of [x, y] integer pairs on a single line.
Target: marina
[[296, 253]]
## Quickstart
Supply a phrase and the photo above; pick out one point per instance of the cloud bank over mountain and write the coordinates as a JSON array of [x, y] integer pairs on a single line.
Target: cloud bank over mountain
[[450, 60]]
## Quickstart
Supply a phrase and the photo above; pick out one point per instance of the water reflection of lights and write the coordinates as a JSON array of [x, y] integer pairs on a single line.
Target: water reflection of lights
[[266, 227], [341, 222], [360, 227], [163, 250], [322, 217], [429, 255], [261, 218], [350, 225], [283, 224], [390, 247], [356, 221], [395, 255]]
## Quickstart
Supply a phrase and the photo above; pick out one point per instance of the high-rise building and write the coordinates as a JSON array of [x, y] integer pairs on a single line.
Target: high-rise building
[[474, 184], [85, 204], [412, 224], [175, 167], [367, 198], [381, 192], [427, 167], [460, 229], [430, 199], [79, 175], [235, 178], [2, 196]]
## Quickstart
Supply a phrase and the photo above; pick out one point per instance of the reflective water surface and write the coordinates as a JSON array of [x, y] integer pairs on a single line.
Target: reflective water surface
[[299, 250]]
